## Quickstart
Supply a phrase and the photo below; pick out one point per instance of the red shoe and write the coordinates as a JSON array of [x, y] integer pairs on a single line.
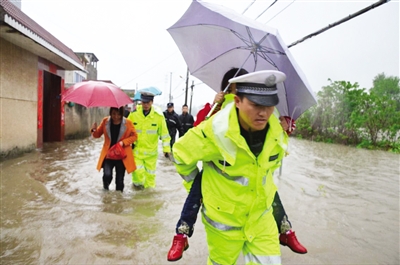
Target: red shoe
[[179, 244], [291, 241]]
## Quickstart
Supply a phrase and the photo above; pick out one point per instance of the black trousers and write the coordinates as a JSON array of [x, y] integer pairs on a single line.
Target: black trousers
[[108, 166], [173, 138]]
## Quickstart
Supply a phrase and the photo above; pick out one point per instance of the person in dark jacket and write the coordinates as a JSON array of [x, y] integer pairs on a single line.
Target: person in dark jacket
[[173, 123], [127, 111], [186, 120]]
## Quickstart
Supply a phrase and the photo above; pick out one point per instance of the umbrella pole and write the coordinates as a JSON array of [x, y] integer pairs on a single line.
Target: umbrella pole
[[226, 88], [191, 97]]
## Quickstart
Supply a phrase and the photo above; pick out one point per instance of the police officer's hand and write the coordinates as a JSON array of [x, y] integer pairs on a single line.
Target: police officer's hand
[[284, 124], [219, 98]]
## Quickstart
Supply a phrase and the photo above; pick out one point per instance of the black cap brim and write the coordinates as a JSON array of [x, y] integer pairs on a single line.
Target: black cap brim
[[263, 100], [146, 98]]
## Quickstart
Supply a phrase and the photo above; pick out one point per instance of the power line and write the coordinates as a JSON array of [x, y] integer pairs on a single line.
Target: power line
[[148, 69], [248, 6], [266, 9], [280, 11], [177, 86], [362, 11], [180, 95]]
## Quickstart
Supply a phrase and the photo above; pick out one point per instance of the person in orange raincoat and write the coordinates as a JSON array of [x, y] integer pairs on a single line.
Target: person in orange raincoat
[[117, 130]]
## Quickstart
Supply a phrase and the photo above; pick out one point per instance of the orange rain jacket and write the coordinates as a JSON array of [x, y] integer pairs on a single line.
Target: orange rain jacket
[[127, 134]]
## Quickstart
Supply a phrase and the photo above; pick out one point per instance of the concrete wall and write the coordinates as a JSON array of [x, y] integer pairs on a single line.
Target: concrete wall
[[18, 99], [79, 119], [92, 72]]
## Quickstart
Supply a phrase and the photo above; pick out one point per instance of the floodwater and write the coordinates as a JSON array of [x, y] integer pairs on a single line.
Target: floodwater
[[343, 204]]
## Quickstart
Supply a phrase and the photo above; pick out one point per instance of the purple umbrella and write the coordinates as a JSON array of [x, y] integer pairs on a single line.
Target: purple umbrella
[[213, 39]]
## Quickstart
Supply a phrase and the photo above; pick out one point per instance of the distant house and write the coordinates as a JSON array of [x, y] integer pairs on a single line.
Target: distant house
[[89, 61], [33, 67]]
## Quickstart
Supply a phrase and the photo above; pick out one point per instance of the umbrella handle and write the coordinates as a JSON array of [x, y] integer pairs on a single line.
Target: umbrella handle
[[211, 111], [217, 103], [226, 88]]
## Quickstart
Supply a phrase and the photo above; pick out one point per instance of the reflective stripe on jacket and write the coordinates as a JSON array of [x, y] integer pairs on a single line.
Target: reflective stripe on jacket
[[150, 128], [237, 187]]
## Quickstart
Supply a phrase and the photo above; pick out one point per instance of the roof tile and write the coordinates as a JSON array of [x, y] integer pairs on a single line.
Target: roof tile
[[30, 24]]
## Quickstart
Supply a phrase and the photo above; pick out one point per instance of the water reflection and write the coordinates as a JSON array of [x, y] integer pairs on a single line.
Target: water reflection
[[343, 203]]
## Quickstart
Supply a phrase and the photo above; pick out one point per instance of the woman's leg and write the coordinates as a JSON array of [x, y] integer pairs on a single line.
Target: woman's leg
[[191, 208], [287, 237], [185, 225], [280, 215], [119, 178], [107, 173]]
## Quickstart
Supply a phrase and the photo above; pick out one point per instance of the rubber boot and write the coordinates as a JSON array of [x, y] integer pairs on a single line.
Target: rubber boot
[[289, 239], [179, 244]]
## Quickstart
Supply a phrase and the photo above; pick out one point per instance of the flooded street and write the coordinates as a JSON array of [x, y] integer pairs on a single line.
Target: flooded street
[[343, 204]]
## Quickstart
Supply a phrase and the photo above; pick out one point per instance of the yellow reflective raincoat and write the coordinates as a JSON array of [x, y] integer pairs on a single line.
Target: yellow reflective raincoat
[[237, 187], [150, 129]]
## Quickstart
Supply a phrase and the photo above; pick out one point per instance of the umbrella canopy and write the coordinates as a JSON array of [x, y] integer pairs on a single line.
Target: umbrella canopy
[[96, 94], [137, 96], [151, 90], [213, 39]]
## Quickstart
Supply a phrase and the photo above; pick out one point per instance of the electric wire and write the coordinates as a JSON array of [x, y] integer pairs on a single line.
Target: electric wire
[[151, 68], [177, 86], [248, 7], [280, 11], [351, 16], [266, 9]]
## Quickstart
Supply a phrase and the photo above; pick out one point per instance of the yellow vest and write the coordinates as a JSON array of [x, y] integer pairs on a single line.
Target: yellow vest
[[150, 128]]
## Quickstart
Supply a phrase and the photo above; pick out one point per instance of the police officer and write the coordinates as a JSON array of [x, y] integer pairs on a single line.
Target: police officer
[[240, 148], [173, 123], [150, 126]]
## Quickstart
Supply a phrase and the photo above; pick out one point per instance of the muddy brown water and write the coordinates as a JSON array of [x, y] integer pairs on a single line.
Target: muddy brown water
[[343, 203]]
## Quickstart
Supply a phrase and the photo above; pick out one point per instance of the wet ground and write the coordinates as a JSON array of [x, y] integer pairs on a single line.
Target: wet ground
[[343, 204]]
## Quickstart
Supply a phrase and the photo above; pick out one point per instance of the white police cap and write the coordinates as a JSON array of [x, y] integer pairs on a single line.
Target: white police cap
[[260, 87]]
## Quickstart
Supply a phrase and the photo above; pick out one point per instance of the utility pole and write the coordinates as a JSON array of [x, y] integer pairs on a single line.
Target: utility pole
[[187, 83], [191, 97], [170, 87]]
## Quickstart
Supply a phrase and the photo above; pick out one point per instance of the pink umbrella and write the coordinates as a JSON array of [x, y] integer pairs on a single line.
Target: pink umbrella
[[96, 94]]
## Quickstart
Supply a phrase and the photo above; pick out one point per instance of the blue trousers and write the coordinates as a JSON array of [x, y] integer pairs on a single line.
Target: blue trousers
[[193, 201]]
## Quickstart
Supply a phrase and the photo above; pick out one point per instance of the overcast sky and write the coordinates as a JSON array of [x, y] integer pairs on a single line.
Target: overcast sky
[[134, 49]]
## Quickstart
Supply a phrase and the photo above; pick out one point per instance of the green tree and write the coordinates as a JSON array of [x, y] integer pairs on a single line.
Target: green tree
[[388, 87], [385, 95], [335, 105], [349, 115]]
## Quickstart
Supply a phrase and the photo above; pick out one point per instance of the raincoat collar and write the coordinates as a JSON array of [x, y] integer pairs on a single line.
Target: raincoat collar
[[226, 133], [122, 129], [153, 110]]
